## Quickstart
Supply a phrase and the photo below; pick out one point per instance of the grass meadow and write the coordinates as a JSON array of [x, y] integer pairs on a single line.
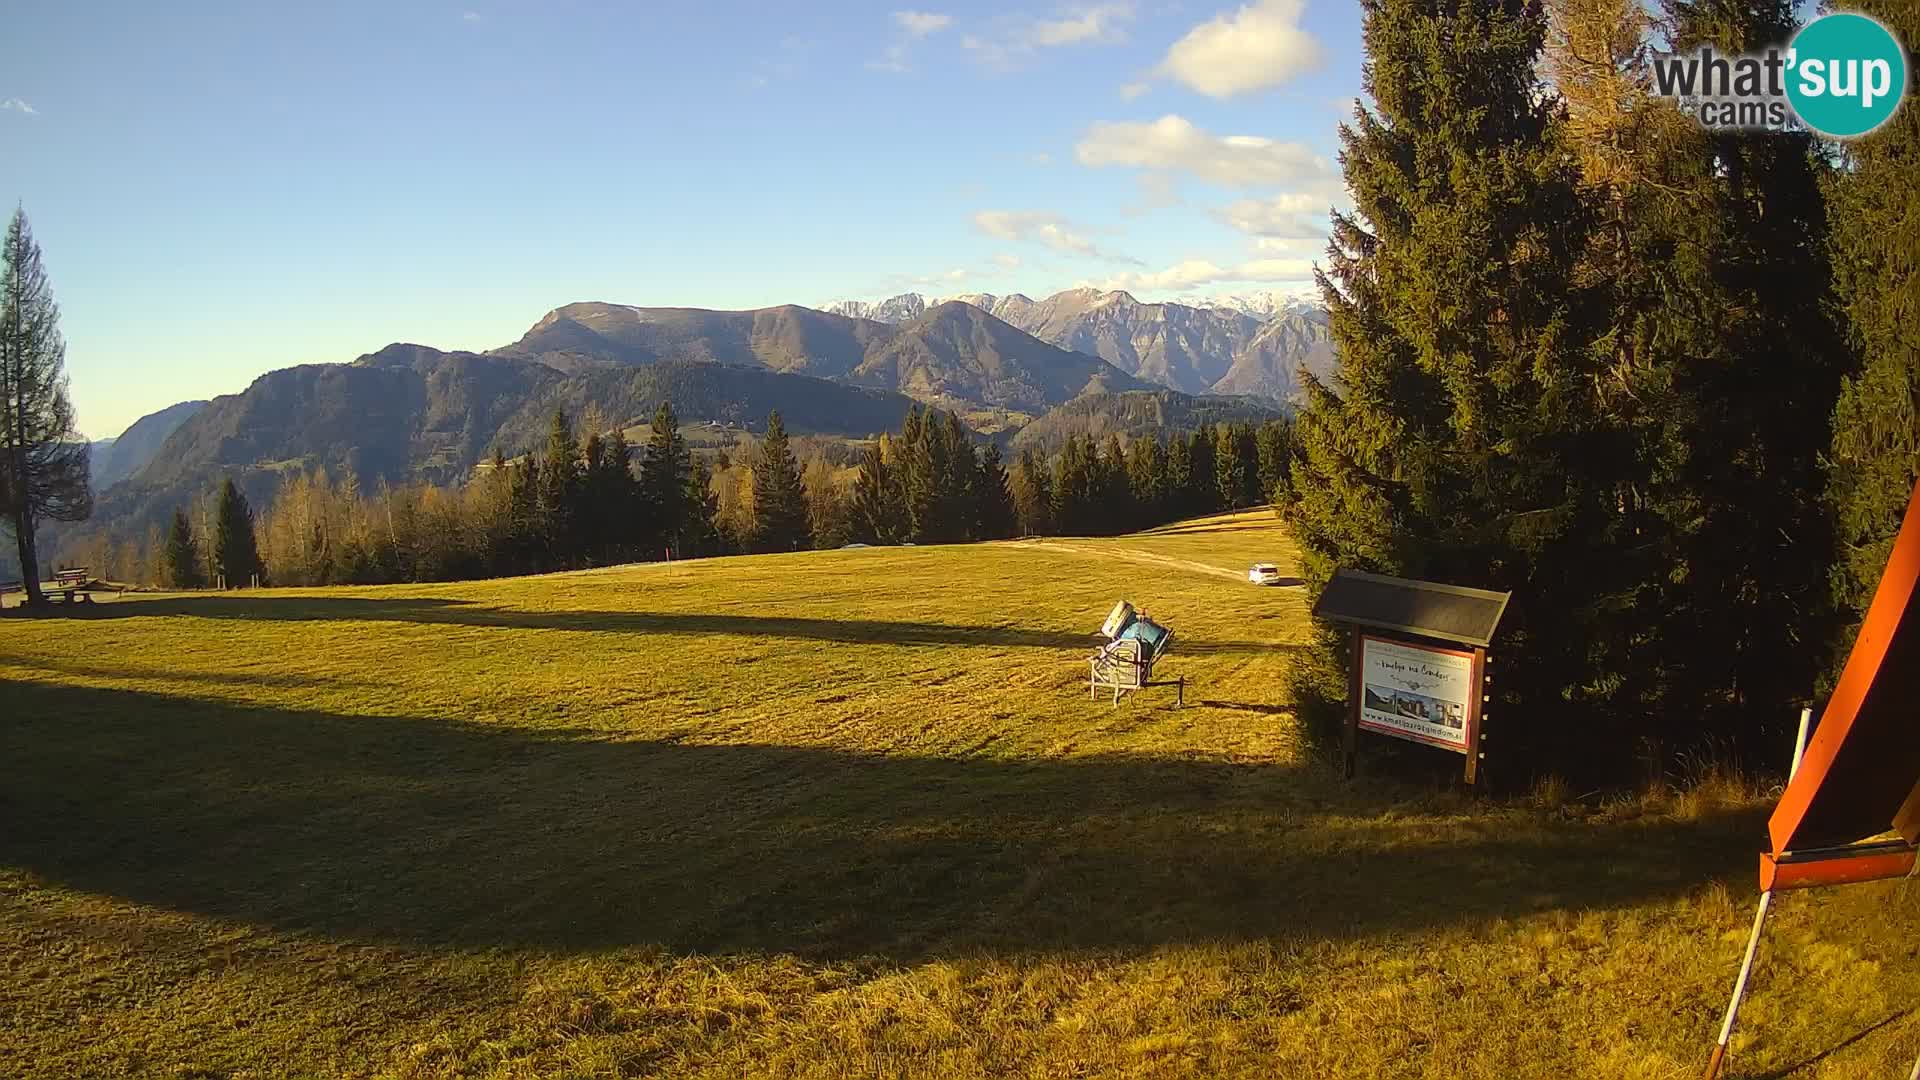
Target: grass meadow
[[833, 814]]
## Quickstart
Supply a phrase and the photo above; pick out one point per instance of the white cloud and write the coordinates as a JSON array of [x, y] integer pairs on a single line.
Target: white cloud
[[1157, 191], [1261, 45], [1290, 215], [1037, 226], [921, 23], [893, 61], [1172, 142], [1008, 260], [16, 105], [1009, 39], [1133, 90], [1193, 273], [914, 25], [1086, 24], [1290, 245]]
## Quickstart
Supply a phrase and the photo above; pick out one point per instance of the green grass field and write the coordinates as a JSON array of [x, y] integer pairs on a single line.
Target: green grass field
[[830, 814]]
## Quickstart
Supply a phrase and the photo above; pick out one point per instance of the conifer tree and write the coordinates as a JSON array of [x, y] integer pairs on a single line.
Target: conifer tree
[[561, 482], [994, 515], [699, 534], [1875, 460], [236, 558], [593, 513], [44, 472], [1175, 497], [666, 481], [524, 513], [1716, 363], [1234, 471], [1202, 494], [183, 557], [1147, 479], [1113, 493], [958, 497], [878, 511], [1274, 444], [1032, 488], [1073, 486], [1453, 443], [779, 503]]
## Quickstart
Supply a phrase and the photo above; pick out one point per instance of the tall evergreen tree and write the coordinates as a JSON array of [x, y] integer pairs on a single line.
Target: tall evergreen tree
[[44, 473], [562, 481], [1273, 446], [1235, 470], [1032, 489], [1875, 460], [183, 557], [920, 496], [525, 530], [1147, 479], [878, 511], [779, 503], [958, 498], [699, 534], [593, 513], [665, 481], [1749, 421], [993, 514], [1113, 493], [1073, 485], [1453, 443], [1715, 366], [236, 556], [1202, 494], [1175, 492]]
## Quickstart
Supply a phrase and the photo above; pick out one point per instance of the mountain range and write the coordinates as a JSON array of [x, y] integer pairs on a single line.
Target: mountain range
[[1242, 345], [953, 355], [1080, 360]]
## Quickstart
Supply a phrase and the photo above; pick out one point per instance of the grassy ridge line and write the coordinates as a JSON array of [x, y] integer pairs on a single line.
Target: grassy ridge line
[[828, 814]]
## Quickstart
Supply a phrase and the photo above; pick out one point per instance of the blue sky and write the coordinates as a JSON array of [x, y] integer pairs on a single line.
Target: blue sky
[[222, 190]]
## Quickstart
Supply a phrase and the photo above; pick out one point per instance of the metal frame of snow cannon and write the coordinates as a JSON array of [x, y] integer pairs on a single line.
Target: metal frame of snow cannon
[[1125, 663]]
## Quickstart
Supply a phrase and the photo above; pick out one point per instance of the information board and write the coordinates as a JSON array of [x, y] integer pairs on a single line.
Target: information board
[[1419, 692]]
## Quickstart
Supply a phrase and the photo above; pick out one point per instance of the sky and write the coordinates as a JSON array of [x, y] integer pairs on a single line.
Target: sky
[[222, 190]]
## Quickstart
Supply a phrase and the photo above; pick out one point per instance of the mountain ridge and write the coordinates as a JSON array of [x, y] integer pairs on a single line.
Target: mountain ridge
[[1244, 344]]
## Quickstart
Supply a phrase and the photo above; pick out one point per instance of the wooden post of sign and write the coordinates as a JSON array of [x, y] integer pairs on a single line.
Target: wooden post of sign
[[1476, 696], [1352, 713]]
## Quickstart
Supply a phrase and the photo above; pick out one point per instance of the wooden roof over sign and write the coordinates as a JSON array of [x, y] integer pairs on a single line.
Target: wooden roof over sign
[[1424, 608], [1860, 775]]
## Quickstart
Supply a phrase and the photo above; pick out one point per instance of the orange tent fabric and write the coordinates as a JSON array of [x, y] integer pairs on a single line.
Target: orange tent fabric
[[1860, 775]]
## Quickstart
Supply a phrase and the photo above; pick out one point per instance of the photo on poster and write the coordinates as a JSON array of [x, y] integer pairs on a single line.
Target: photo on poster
[[1416, 692]]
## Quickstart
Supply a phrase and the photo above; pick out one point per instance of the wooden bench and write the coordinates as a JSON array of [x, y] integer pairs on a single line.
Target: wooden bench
[[71, 585]]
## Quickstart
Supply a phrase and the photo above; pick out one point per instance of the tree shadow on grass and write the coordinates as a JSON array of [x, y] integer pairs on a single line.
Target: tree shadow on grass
[[398, 829], [456, 612], [1808, 1062]]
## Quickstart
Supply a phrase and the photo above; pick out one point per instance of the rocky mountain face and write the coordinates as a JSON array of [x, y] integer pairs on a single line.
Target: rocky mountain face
[[128, 453], [1248, 344], [903, 308], [953, 355], [412, 413]]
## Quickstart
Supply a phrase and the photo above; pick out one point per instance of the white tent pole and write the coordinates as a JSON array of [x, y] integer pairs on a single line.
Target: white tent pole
[[1759, 924]]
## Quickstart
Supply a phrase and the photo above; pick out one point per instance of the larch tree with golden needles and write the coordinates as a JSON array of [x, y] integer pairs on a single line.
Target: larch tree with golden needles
[[45, 456]]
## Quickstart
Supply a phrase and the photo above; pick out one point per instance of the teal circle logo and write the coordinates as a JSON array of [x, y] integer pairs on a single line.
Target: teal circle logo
[[1846, 74]]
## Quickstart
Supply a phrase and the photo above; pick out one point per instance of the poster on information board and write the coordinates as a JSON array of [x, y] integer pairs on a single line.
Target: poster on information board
[[1423, 693]]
